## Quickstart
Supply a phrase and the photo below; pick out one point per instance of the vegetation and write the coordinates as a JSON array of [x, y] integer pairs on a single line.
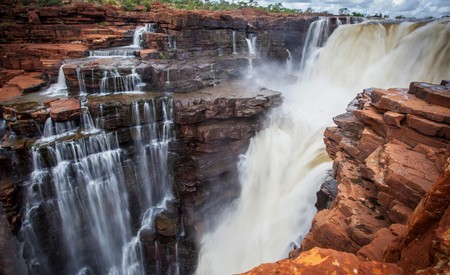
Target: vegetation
[[210, 5], [45, 3], [182, 4]]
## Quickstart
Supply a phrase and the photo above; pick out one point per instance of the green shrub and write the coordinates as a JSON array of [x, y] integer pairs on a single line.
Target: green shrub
[[46, 3]]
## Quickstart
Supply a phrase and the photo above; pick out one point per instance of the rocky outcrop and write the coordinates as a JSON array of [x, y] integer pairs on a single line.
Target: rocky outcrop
[[325, 261], [215, 127], [390, 160]]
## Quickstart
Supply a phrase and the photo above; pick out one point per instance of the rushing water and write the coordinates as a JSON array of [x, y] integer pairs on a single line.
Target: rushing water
[[285, 163]]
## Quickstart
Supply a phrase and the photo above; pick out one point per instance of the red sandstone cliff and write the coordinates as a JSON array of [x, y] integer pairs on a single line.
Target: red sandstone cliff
[[391, 214]]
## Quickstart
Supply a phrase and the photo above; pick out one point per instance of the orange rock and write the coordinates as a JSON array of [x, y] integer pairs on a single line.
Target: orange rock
[[393, 118], [400, 101], [9, 92], [325, 261], [65, 109], [428, 127], [28, 82]]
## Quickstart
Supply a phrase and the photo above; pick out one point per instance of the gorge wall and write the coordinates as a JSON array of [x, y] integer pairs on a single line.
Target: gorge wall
[[390, 154]]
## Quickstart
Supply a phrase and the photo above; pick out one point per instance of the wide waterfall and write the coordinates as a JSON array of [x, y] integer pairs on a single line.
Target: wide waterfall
[[285, 163]]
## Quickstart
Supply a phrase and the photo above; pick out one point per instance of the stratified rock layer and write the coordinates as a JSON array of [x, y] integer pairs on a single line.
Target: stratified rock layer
[[389, 153]]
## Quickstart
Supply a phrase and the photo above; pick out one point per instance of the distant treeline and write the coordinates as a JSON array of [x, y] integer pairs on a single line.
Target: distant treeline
[[206, 5]]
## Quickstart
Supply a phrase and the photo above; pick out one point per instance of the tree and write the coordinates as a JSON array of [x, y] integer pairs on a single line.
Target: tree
[[344, 11], [309, 10]]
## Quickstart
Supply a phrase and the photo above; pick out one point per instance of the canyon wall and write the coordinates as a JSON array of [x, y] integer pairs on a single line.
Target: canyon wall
[[390, 154]]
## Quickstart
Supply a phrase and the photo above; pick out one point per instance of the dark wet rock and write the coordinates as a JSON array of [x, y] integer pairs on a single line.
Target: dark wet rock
[[326, 193]]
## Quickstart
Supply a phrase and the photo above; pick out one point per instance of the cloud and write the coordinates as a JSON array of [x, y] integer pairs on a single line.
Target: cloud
[[408, 8]]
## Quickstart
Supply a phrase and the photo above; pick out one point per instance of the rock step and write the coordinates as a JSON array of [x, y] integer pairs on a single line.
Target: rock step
[[433, 94]]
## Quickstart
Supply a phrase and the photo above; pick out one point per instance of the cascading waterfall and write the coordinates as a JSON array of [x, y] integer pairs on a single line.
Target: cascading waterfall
[[285, 163], [52, 129], [88, 184], [79, 185], [113, 81], [153, 148]]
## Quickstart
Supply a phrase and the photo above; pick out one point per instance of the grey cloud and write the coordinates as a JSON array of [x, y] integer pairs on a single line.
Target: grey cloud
[[413, 8]]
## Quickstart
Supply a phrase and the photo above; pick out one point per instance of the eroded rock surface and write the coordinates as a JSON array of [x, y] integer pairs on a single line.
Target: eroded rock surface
[[390, 160]]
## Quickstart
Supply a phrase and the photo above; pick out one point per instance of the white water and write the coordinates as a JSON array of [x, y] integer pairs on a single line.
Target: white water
[[60, 87], [137, 36], [284, 165], [114, 82], [251, 44], [118, 52]]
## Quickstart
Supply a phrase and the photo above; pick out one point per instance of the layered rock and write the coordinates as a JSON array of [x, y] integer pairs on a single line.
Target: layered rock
[[389, 152], [215, 127], [325, 261]]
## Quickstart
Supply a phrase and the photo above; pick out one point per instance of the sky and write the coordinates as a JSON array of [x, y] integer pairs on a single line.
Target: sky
[[407, 8]]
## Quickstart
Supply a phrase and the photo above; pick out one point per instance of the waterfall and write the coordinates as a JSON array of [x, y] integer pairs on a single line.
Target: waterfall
[[251, 43], [167, 76], [153, 148], [89, 198], [137, 36], [119, 52], [289, 61], [113, 81], [60, 87], [172, 41], [81, 82], [285, 163], [79, 188], [52, 129], [316, 36]]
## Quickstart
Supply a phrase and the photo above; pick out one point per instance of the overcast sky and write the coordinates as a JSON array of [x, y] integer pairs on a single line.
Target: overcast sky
[[408, 8]]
